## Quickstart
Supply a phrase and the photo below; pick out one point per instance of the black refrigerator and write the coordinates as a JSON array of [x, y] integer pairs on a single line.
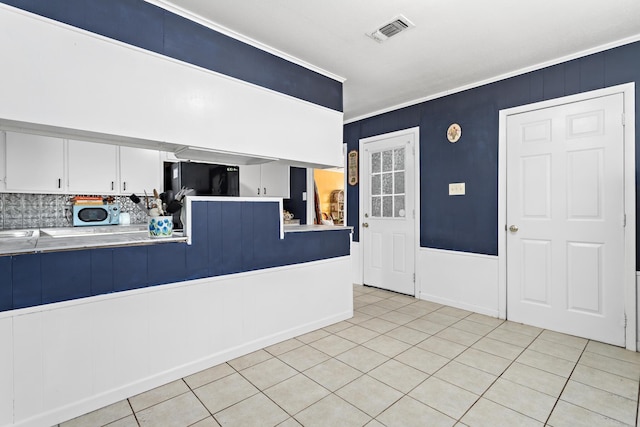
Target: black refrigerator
[[206, 179]]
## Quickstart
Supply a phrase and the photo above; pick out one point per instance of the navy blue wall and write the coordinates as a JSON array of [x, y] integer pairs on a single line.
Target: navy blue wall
[[231, 237], [149, 27], [470, 223]]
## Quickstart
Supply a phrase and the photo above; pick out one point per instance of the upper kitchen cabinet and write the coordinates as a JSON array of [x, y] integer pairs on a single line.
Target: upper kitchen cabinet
[[265, 180], [34, 163], [139, 170], [92, 167]]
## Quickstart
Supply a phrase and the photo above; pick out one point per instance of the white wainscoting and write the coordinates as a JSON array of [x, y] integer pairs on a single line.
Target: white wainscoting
[[356, 259], [62, 360], [458, 279], [638, 314], [64, 77]]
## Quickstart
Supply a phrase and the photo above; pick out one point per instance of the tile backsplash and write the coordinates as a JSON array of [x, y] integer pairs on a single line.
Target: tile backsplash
[[49, 210]]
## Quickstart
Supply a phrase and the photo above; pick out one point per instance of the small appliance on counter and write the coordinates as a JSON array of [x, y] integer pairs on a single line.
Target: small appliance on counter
[[89, 210]]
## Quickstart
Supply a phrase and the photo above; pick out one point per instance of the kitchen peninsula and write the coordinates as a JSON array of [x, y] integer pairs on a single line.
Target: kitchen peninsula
[[88, 327]]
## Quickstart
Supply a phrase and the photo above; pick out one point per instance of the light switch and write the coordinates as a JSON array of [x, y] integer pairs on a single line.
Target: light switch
[[304, 196], [456, 189]]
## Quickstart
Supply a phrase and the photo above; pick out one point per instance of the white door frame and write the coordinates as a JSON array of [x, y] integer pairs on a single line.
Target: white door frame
[[630, 302], [415, 131]]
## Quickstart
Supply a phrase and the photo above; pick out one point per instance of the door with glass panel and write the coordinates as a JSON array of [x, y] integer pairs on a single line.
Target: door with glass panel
[[387, 217]]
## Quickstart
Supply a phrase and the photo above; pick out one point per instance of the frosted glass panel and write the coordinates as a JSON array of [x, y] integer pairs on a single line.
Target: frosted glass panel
[[398, 184], [375, 163], [387, 206], [398, 157], [376, 206], [398, 207], [387, 183], [375, 184], [387, 161]]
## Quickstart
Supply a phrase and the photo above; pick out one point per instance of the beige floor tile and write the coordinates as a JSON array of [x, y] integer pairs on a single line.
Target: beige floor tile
[[157, 395], [102, 416], [611, 365], [284, 346], [521, 399], [397, 317], [413, 310], [390, 304], [568, 415], [546, 362], [225, 392], [426, 326], [445, 397], [387, 346], [374, 423], [408, 412], [129, 421], [509, 337], [362, 358], [459, 336], [207, 422], [333, 345], [490, 363], [408, 335], [473, 327], [466, 377], [485, 320], [369, 395], [613, 352], [332, 374], [535, 379], [445, 348], [428, 305], [357, 334], [422, 360], [454, 312], [602, 402], [498, 348], [302, 358], [209, 375], [296, 393], [257, 410], [332, 411], [378, 325], [180, 411], [570, 353], [605, 381], [313, 336], [359, 318], [337, 327], [291, 422], [398, 375], [564, 339], [373, 310], [250, 359], [407, 299], [490, 414], [369, 298], [268, 373], [441, 318], [532, 331]]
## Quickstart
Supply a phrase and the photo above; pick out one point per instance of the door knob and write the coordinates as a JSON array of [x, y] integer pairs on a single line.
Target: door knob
[[513, 228], [365, 224]]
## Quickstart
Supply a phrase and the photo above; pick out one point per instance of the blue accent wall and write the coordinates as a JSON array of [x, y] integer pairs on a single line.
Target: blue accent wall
[[149, 27], [230, 237], [469, 223]]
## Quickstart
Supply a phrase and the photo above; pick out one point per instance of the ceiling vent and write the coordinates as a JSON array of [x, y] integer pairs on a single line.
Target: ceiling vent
[[396, 26]]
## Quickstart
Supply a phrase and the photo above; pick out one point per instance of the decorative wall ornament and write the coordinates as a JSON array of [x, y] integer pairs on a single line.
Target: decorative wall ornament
[[352, 167], [454, 133]]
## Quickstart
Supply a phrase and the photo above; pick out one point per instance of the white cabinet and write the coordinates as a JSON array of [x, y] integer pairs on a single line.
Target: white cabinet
[[34, 163], [139, 170], [268, 179], [93, 168]]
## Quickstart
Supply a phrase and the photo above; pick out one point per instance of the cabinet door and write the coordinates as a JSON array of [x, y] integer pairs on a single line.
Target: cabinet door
[[274, 179], [92, 167], [250, 181], [34, 163], [139, 170]]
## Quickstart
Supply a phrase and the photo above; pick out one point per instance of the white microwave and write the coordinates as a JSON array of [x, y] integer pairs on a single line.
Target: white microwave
[[107, 214]]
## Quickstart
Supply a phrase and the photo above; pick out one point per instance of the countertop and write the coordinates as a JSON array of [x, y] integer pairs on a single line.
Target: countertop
[[97, 237]]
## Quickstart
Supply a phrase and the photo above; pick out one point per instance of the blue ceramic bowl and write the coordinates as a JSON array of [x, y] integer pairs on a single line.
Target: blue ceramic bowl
[[160, 226]]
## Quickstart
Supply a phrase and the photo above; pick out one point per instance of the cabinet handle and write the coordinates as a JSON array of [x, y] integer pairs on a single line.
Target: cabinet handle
[[258, 191], [111, 185], [264, 193], [124, 186], [59, 183]]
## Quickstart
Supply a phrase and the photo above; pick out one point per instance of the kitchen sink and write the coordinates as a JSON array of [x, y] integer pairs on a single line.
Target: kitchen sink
[[107, 230], [17, 234]]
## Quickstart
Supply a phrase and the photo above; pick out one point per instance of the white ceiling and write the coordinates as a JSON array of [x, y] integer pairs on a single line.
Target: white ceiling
[[455, 44]]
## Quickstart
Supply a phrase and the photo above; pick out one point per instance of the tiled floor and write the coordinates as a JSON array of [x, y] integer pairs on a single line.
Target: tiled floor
[[401, 362]]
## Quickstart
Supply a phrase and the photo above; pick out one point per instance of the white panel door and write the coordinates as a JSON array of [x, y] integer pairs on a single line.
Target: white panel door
[[35, 163], [565, 212], [387, 233], [139, 170], [93, 167]]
